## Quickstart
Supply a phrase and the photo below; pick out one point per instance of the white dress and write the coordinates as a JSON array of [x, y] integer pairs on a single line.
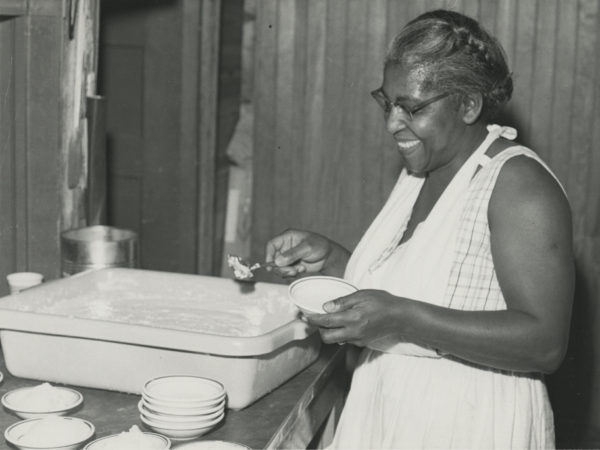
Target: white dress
[[407, 396]]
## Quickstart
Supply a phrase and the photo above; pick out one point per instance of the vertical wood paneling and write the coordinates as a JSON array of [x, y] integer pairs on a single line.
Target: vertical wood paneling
[[159, 76], [562, 93], [593, 211], [471, 8], [161, 72], [302, 111], [432, 4], [505, 26], [414, 9], [315, 111], [7, 146], [43, 82], [13, 7], [367, 118], [398, 14], [543, 64], [540, 38], [289, 118], [188, 110], [356, 95], [582, 114], [210, 28], [488, 14], [44, 174], [328, 177], [524, 52], [20, 224], [343, 163], [265, 205]]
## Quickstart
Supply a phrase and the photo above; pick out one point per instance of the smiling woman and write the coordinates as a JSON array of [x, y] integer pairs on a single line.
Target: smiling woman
[[465, 277]]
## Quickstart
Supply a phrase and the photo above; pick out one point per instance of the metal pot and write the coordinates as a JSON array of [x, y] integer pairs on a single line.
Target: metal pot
[[97, 247]]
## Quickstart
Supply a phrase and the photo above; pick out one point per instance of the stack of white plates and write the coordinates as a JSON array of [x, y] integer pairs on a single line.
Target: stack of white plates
[[182, 406]]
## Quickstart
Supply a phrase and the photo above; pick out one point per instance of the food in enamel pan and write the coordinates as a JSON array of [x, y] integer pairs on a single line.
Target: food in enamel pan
[[213, 306]]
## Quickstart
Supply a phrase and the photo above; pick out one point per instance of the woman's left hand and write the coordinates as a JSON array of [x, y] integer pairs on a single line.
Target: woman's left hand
[[360, 318]]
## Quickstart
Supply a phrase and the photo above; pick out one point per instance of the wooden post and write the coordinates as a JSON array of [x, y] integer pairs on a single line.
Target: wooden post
[[209, 53]]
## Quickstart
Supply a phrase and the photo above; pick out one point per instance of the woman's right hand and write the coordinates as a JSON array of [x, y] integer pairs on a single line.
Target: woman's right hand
[[295, 252]]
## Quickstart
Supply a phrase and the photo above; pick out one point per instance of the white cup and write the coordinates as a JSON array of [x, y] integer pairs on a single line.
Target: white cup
[[19, 281]]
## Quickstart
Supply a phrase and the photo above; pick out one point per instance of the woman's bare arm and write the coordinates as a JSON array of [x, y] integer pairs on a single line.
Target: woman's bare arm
[[531, 242]]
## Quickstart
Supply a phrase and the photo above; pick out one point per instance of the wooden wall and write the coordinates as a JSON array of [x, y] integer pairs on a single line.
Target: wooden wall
[[158, 73], [322, 159], [46, 73]]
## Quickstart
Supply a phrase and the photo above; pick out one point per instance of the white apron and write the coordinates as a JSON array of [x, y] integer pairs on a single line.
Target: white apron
[[407, 396]]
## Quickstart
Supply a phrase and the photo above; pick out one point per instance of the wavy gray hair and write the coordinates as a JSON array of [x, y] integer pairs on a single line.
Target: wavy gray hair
[[456, 54]]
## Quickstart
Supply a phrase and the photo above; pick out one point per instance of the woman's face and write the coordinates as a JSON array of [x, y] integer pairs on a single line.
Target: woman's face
[[431, 139]]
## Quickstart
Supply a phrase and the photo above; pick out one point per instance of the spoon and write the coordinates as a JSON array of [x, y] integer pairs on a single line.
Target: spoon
[[243, 270]]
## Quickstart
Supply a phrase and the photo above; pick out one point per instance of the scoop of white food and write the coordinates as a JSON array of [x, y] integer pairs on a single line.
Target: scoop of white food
[[241, 271], [134, 439], [43, 397]]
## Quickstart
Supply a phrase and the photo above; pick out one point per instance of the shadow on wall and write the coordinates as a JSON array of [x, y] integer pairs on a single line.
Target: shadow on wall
[[570, 387]]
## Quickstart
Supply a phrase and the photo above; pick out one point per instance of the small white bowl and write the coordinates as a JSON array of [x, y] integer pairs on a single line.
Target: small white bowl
[[15, 433], [181, 432], [155, 442], [309, 294], [182, 410], [212, 445], [19, 281], [178, 418], [183, 389], [14, 401], [200, 422], [190, 404]]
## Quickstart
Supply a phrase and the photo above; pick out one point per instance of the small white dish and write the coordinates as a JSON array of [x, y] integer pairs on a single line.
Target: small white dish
[[189, 425], [19, 281], [182, 410], [212, 445], [39, 401], [178, 404], [183, 389], [178, 432], [178, 418], [50, 433], [153, 441], [309, 294]]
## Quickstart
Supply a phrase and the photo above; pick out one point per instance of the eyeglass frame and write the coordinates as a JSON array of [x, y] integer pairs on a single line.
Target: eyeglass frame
[[388, 105]]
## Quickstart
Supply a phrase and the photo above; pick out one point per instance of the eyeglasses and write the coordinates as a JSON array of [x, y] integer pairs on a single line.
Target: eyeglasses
[[388, 105]]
